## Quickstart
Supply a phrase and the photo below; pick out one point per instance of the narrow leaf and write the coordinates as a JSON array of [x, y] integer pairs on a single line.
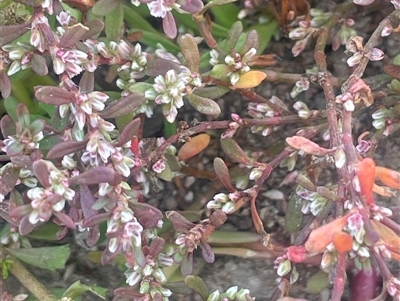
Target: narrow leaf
[[42, 173], [293, 216], [211, 92], [190, 52], [5, 84], [53, 95], [234, 151], [49, 258], [78, 289], [123, 106], [250, 79], [66, 148], [233, 36], [204, 105]]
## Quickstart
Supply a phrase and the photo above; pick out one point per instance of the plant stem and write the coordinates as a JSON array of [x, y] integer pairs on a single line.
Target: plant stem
[[29, 281], [340, 277]]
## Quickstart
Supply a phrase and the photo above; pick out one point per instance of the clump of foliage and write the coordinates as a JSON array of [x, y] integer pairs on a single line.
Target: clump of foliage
[[75, 159]]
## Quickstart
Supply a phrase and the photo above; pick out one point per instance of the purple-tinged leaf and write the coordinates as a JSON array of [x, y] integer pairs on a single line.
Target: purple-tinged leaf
[[156, 246], [130, 130], [123, 106], [53, 95], [191, 6], [218, 218], [161, 67], [5, 84], [190, 52], [39, 65], [147, 215], [93, 236], [169, 26], [96, 219], [65, 220], [86, 84], [222, 172], [7, 126], [197, 284], [11, 32], [252, 41], [104, 7], [87, 200], [66, 148], [180, 223], [187, 264], [95, 27], [42, 173], [25, 227], [234, 151], [61, 233], [107, 256], [204, 105], [22, 161], [96, 175], [8, 180], [363, 284], [72, 35], [207, 252]]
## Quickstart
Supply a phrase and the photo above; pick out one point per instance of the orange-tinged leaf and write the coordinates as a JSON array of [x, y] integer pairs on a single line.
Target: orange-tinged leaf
[[387, 236], [194, 146], [384, 191], [366, 177], [321, 237], [250, 79], [342, 241], [306, 145], [388, 177]]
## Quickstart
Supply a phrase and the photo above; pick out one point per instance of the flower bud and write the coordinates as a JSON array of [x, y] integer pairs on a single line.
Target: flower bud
[[284, 268], [214, 296]]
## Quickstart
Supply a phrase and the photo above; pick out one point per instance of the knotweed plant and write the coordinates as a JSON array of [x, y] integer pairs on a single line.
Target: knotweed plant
[[75, 159]]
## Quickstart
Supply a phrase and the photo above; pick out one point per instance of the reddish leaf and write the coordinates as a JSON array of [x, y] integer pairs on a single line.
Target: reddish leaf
[[42, 173], [87, 200], [39, 65], [366, 177], [53, 95], [86, 84], [66, 148], [7, 126], [342, 241], [96, 175], [194, 146], [190, 52], [306, 145], [11, 32], [123, 106], [388, 177], [72, 35], [161, 67], [82, 5], [204, 105], [5, 84], [321, 237]]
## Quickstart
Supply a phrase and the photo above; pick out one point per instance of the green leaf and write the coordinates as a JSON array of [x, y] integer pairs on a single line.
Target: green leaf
[[77, 289], [166, 174], [293, 215], [46, 231], [190, 52], [213, 92], [105, 7], [234, 151], [10, 104], [197, 284], [317, 282], [49, 258], [153, 38], [135, 19], [225, 15], [233, 36], [114, 22]]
